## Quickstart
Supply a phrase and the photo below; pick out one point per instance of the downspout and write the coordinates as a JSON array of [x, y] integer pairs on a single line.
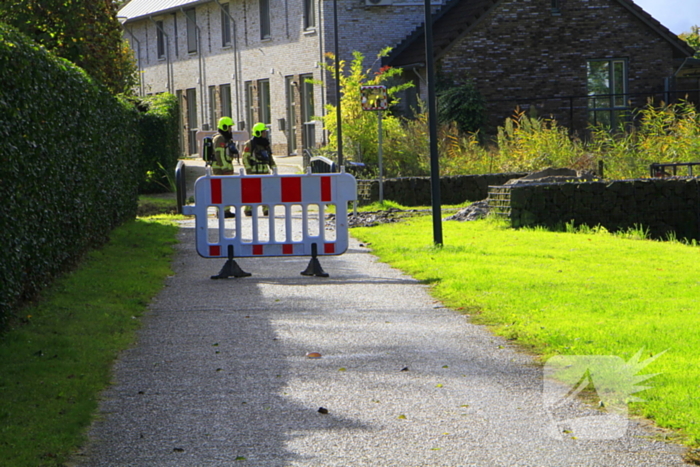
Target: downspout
[[167, 54], [235, 63], [138, 57], [321, 62], [200, 59]]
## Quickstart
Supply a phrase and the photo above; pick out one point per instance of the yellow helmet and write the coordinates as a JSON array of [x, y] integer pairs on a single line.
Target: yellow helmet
[[258, 129], [225, 123]]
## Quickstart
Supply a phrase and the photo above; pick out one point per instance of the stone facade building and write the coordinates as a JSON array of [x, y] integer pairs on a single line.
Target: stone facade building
[[253, 59], [579, 61], [261, 60]]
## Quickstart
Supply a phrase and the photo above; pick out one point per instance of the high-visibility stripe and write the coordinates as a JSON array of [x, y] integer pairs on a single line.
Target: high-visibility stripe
[[274, 235], [291, 189], [215, 191], [326, 189], [251, 190]]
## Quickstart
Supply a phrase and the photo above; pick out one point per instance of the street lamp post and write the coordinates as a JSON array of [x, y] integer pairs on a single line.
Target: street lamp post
[[339, 123], [432, 118]]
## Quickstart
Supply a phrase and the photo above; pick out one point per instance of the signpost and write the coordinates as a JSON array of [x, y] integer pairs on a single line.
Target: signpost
[[375, 98]]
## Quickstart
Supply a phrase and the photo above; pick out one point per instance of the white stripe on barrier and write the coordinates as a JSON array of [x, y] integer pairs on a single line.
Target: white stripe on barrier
[[287, 191]]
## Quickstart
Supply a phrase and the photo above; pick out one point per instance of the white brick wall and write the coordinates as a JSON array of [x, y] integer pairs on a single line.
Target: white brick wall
[[289, 51]]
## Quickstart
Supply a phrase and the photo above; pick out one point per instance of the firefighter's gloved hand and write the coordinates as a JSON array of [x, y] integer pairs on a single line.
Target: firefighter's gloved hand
[[232, 149], [264, 156]]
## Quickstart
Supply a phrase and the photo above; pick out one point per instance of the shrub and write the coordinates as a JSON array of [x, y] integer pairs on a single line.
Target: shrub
[[158, 125], [69, 173]]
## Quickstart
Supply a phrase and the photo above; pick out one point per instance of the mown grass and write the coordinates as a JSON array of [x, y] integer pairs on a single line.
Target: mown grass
[[571, 294], [57, 359]]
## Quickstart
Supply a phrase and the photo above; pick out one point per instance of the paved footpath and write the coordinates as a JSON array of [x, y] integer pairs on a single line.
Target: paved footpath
[[220, 377]]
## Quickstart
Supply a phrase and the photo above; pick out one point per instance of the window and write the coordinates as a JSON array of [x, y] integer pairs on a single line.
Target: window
[[264, 101], [191, 31], [160, 40], [225, 26], [175, 33], [607, 89], [212, 108], [249, 109], [291, 87], [264, 19], [307, 111], [225, 97], [191, 101], [309, 14]]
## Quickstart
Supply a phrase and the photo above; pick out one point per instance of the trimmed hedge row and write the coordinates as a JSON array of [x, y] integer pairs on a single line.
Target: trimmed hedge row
[[158, 128], [68, 172]]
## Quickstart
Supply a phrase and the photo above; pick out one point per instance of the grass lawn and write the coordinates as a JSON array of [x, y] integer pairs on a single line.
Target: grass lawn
[[57, 359], [569, 294]]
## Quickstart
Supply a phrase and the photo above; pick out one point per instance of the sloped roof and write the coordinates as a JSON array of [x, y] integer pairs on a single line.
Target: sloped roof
[[457, 17], [138, 9]]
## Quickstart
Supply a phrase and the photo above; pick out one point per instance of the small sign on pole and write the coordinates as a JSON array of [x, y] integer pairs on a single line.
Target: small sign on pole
[[375, 98]]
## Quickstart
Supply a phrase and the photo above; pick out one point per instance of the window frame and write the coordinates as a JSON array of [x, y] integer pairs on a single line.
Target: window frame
[[265, 23], [225, 100], [160, 41], [226, 40], [191, 23], [608, 107], [309, 15], [264, 110]]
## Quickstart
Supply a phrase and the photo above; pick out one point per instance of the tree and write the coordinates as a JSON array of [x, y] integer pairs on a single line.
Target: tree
[[86, 32], [693, 39]]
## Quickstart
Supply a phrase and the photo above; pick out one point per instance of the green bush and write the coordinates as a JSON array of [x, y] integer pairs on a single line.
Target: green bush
[[68, 170], [158, 126]]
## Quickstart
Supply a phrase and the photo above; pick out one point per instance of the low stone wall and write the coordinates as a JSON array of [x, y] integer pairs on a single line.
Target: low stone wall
[[661, 205], [415, 191]]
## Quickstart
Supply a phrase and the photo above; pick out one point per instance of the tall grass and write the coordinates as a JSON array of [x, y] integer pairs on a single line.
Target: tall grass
[[666, 133]]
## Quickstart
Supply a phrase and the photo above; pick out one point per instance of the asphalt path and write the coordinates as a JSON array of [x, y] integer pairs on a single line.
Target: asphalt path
[[221, 376]]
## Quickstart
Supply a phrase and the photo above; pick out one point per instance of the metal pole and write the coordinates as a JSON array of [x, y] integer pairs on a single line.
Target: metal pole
[[381, 171], [432, 117], [339, 123]]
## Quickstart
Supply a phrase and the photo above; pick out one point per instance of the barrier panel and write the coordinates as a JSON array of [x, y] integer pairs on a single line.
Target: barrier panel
[[278, 234]]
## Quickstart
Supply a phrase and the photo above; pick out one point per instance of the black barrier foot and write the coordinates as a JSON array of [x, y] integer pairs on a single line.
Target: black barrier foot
[[231, 268], [314, 268]]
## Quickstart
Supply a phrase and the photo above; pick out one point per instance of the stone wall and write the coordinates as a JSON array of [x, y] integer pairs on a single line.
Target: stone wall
[[661, 205], [415, 191]]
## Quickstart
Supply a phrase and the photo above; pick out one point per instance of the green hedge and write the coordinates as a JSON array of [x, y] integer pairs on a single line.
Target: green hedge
[[158, 127], [68, 170]]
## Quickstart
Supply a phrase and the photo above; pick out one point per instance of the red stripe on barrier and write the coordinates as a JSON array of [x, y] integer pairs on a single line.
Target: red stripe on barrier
[[326, 189], [329, 248], [215, 191], [287, 249], [291, 189], [214, 250], [251, 190], [257, 249]]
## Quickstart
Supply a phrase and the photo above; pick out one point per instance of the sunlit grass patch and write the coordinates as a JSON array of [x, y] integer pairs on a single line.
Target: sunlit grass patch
[[584, 293]]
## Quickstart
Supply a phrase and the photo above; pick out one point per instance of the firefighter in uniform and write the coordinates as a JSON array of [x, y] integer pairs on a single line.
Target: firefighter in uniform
[[257, 157], [224, 150]]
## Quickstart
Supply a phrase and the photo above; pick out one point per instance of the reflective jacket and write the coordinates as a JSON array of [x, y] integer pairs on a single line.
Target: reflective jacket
[[223, 162], [254, 160]]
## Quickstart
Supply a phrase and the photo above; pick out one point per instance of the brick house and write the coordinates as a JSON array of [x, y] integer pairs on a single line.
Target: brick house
[[250, 59], [579, 61]]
